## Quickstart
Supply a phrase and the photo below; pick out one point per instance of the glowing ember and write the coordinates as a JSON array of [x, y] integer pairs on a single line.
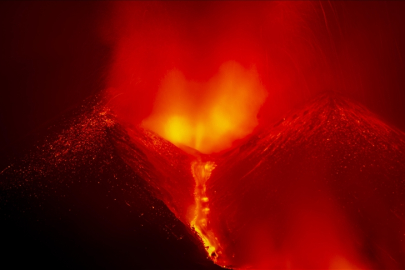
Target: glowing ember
[[208, 116]]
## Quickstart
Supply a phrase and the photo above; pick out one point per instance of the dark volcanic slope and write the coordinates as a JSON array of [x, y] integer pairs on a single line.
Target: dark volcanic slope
[[323, 188], [74, 203], [170, 175]]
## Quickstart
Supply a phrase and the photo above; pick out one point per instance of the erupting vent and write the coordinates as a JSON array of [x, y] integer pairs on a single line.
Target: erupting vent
[[208, 116]]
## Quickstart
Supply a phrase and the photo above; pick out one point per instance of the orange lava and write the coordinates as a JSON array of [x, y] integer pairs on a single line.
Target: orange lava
[[201, 173]]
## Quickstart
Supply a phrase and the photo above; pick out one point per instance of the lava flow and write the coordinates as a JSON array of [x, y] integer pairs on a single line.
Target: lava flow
[[201, 173]]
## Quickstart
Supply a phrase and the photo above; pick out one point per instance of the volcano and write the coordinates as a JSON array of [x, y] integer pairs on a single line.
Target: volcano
[[323, 188], [71, 201]]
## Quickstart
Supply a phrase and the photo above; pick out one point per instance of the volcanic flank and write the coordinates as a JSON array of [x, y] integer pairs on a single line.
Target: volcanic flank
[[323, 188], [72, 202]]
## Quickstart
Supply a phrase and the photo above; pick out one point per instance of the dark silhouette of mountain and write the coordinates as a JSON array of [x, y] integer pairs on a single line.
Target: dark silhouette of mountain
[[323, 188], [72, 202]]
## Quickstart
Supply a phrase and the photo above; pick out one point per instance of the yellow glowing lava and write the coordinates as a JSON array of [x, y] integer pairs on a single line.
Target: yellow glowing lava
[[201, 173], [207, 116]]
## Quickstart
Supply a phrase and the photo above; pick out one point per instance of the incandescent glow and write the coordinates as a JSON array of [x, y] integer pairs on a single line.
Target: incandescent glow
[[201, 172], [208, 116]]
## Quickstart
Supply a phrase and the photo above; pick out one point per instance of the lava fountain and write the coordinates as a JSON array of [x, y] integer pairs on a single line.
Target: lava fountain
[[207, 116]]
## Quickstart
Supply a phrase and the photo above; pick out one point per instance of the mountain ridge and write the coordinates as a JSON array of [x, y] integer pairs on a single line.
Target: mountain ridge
[[334, 160]]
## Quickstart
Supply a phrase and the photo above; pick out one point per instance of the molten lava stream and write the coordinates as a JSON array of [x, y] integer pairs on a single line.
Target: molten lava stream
[[201, 172]]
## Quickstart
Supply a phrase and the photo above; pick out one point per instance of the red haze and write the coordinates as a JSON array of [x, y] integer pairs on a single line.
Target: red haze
[[298, 48], [196, 38]]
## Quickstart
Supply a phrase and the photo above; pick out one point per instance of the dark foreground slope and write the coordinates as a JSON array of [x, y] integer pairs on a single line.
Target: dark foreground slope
[[72, 202], [170, 178], [323, 188]]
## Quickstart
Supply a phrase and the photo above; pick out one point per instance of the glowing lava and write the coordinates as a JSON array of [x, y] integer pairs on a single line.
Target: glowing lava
[[201, 172], [208, 116]]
